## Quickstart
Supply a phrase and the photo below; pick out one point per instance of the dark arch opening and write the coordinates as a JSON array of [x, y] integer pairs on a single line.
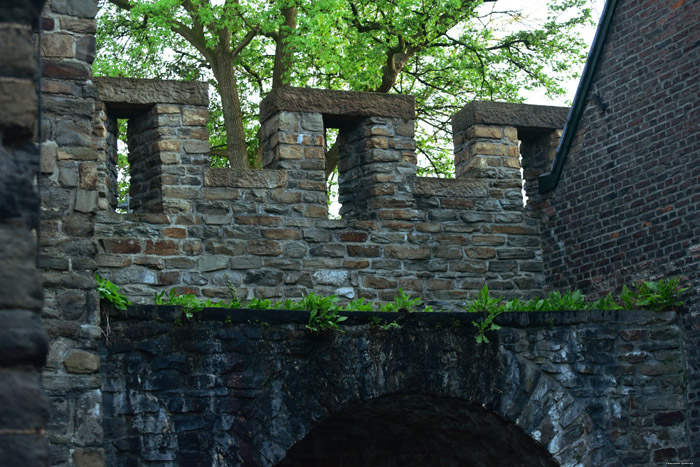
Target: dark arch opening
[[416, 430]]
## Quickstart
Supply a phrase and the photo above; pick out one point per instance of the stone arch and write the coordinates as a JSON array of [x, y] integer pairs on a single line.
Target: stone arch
[[416, 430], [523, 395]]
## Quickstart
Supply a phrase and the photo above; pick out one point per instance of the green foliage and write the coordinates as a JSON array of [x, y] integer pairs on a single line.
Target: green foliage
[[661, 295], [383, 325], [648, 295], [402, 303], [260, 304], [484, 303], [189, 303], [444, 53], [111, 293], [358, 304], [324, 313]]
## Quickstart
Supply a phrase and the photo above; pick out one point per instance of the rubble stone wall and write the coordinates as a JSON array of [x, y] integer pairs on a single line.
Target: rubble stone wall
[[267, 232], [242, 387], [69, 191], [23, 341]]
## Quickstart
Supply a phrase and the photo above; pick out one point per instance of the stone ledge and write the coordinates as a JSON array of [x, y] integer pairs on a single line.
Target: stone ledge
[[521, 116], [337, 104], [124, 93]]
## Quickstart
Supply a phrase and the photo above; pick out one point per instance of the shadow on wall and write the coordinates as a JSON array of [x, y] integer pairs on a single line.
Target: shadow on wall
[[416, 430]]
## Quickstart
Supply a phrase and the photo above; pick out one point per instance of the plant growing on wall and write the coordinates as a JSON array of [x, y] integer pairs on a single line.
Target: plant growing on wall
[[111, 293]]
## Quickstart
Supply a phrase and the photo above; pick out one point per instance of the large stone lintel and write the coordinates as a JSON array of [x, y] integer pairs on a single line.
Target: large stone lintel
[[130, 93], [336, 105], [524, 117]]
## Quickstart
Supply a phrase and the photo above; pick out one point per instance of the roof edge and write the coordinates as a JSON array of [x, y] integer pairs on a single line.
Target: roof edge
[[548, 181]]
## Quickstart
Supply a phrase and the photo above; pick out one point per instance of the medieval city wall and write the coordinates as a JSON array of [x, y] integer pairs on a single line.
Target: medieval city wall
[[267, 232]]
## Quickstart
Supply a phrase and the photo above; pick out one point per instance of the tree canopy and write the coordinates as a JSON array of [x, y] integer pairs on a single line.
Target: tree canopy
[[445, 52]]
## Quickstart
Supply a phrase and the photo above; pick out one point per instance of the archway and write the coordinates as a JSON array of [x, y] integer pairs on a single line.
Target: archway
[[416, 430]]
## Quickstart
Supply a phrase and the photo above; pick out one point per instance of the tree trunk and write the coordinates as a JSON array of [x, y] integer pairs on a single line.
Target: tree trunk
[[231, 105], [283, 55]]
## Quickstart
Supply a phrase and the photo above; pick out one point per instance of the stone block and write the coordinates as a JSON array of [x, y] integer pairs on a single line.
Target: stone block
[[82, 362], [19, 103], [484, 131], [212, 263], [286, 151], [78, 25], [88, 175], [264, 248], [281, 234], [376, 282], [151, 91], [162, 247], [196, 147], [330, 277], [312, 122], [19, 60], [195, 116], [335, 104], [91, 457], [86, 200], [79, 8], [407, 252], [57, 45]]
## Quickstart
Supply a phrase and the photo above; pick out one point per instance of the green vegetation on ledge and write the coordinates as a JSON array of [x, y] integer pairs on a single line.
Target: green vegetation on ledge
[[325, 311]]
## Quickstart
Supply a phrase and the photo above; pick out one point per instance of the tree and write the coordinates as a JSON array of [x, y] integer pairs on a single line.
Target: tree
[[443, 52]]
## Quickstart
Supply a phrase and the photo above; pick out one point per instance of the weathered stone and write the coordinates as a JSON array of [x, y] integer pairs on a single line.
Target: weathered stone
[[82, 362], [336, 103], [18, 98], [151, 91], [514, 115], [89, 458], [79, 8]]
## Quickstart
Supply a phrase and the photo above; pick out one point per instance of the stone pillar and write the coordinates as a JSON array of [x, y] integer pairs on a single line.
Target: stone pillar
[[376, 167], [491, 139], [23, 342], [375, 148], [487, 151], [294, 141], [69, 189], [168, 142]]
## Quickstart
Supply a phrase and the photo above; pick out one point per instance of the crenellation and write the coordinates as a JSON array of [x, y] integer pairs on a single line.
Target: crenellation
[[266, 234]]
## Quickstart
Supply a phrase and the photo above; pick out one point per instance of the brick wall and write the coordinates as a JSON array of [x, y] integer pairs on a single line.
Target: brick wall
[[628, 203], [23, 342]]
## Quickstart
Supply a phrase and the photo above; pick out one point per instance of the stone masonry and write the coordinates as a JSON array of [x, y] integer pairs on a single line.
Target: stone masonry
[[69, 189], [268, 231], [23, 341], [242, 387]]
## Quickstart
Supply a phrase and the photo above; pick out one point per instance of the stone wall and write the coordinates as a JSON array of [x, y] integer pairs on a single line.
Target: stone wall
[[267, 231], [69, 190], [243, 387], [23, 342], [627, 205]]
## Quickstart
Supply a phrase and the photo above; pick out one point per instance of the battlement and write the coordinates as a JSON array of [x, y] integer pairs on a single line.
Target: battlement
[[267, 231]]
